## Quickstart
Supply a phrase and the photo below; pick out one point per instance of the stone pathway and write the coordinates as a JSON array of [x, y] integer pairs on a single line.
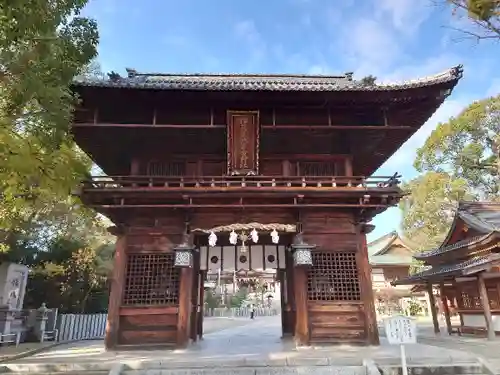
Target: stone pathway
[[479, 346], [11, 350], [247, 341]]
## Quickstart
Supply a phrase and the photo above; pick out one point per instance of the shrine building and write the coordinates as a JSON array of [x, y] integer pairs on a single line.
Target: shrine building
[[245, 173]]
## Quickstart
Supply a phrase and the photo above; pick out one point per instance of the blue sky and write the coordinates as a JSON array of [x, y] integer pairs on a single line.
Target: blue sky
[[391, 39]]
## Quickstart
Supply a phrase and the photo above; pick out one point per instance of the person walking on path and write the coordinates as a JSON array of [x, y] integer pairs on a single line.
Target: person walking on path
[[252, 311]]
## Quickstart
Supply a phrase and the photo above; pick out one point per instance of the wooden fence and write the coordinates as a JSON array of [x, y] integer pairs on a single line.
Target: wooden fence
[[237, 312], [93, 326]]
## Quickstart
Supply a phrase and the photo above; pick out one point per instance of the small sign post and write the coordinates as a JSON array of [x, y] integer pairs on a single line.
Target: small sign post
[[401, 330]]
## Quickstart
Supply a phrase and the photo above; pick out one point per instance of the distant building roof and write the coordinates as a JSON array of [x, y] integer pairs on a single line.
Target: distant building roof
[[259, 82], [378, 248], [464, 268], [483, 217]]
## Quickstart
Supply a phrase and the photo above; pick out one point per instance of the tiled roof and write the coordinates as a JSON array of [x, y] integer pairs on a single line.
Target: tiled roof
[[381, 243], [257, 82], [484, 217], [469, 266]]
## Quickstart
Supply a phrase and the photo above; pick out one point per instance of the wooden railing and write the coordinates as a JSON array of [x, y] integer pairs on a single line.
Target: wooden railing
[[207, 182]]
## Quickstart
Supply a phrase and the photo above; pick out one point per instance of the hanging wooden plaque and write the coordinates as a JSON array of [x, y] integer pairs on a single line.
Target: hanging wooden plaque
[[243, 142]]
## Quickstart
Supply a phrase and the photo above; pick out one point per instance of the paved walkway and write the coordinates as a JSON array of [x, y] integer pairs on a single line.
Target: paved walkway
[[257, 340]]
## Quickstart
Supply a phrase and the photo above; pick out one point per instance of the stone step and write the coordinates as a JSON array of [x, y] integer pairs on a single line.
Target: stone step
[[282, 370], [433, 369]]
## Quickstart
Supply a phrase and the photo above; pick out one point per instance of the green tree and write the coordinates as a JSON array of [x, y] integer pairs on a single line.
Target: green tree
[[483, 17], [458, 161], [71, 276], [467, 147], [43, 46], [428, 208], [368, 80]]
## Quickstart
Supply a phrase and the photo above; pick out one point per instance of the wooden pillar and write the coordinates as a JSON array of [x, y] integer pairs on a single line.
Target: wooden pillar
[[458, 300], [201, 310], [432, 302], [367, 295], [301, 313], [195, 295], [446, 309], [292, 313], [285, 308], [185, 289], [116, 286], [485, 302], [348, 166], [135, 167]]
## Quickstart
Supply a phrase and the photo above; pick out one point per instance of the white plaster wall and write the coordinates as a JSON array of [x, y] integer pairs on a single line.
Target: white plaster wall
[[478, 321], [378, 275]]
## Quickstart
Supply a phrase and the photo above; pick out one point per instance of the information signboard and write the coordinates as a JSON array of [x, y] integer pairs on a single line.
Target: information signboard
[[401, 330]]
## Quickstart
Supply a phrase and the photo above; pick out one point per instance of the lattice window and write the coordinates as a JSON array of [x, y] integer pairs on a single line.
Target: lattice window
[[471, 301], [315, 168], [166, 168], [334, 277], [151, 279], [493, 297]]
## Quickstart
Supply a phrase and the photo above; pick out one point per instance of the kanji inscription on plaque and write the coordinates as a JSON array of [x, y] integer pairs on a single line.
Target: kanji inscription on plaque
[[243, 143]]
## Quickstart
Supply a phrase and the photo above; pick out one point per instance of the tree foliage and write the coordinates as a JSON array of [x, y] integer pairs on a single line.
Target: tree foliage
[[483, 17], [71, 276], [429, 207], [467, 147], [368, 80], [458, 161], [44, 44]]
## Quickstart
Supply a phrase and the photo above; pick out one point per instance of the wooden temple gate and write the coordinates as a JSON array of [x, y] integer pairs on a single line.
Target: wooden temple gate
[[296, 153]]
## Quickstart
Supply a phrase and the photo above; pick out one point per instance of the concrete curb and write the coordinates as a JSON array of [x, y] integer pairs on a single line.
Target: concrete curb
[[31, 352]]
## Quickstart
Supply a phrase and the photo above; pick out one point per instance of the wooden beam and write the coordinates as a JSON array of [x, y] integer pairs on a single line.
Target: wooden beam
[[432, 301], [485, 302], [340, 127], [147, 126], [298, 205], [446, 309], [223, 126]]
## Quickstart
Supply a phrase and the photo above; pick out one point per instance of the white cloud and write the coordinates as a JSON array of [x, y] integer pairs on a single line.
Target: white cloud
[[429, 67], [370, 45], [406, 15], [246, 30]]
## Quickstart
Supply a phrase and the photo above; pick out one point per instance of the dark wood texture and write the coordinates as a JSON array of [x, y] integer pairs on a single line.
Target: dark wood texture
[[367, 295], [483, 293], [446, 308], [432, 302], [302, 334], [208, 159], [243, 142], [115, 296], [184, 307], [144, 326]]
